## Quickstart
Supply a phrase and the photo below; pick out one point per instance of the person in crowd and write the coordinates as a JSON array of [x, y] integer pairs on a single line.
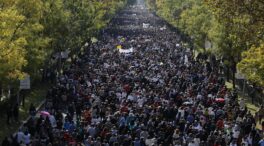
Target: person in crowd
[[8, 114], [5, 142], [16, 112], [32, 110]]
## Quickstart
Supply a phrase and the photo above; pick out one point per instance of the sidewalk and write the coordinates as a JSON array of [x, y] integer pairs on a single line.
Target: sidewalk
[[253, 108], [37, 97]]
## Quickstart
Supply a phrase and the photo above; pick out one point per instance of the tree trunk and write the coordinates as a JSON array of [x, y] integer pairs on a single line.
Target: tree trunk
[[234, 79], [1, 91], [227, 73], [234, 73]]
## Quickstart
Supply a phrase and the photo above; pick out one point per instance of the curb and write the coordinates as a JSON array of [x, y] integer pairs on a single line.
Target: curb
[[37, 109]]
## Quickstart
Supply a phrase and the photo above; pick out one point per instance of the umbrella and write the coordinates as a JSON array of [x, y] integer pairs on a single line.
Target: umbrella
[[220, 100], [44, 113]]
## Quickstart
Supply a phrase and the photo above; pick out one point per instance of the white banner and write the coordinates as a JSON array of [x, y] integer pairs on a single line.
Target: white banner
[[126, 50]]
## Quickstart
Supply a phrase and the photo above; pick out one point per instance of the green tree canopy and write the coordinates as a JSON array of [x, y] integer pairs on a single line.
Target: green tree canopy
[[31, 30], [232, 26], [252, 64]]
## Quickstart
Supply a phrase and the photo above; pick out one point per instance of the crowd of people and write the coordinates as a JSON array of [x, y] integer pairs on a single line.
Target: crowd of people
[[156, 95]]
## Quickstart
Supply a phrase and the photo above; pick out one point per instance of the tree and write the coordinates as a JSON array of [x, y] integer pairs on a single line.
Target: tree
[[12, 43], [36, 47], [56, 22], [252, 64], [32, 30], [196, 22], [241, 29]]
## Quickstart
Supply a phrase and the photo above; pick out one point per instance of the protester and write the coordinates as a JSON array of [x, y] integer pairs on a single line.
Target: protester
[[32, 110], [5, 142], [16, 112], [8, 114]]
